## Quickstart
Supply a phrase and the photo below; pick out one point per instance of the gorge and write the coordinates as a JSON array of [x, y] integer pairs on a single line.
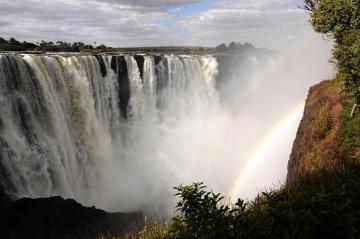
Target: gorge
[[118, 131]]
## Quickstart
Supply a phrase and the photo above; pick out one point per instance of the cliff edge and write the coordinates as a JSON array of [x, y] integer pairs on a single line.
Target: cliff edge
[[317, 143]]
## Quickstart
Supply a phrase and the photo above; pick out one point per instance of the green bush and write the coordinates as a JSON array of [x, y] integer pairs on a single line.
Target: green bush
[[340, 20], [322, 204]]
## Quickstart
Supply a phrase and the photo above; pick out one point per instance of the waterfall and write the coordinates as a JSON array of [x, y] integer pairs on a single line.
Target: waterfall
[[102, 128]]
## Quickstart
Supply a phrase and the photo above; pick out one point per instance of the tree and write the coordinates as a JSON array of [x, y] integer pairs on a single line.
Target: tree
[[13, 41], [221, 48], [233, 46], [101, 47], [336, 17], [2, 40], [340, 20]]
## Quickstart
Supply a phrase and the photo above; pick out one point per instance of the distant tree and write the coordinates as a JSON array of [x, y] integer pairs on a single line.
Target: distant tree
[[248, 45], [86, 48], [13, 41], [221, 47], [14, 45], [102, 46], [233, 46], [2, 40], [29, 45]]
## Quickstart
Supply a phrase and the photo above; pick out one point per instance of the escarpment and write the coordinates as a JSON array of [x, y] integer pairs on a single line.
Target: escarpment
[[317, 141]]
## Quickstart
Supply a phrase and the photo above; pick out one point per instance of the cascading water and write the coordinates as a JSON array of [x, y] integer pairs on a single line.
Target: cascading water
[[104, 128], [119, 131]]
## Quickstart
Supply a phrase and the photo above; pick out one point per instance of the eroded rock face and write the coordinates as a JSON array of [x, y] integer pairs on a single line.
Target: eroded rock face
[[316, 142]]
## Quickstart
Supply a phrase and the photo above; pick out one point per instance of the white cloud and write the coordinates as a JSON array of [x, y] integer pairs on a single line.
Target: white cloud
[[267, 28], [76, 20], [152, 3], [149, 22], [255, 3]]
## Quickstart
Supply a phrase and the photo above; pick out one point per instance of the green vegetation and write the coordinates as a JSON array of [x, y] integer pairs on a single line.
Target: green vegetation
[[64, 46], [322, 204], [13, 45], [349, 132], [151, 230], [340, 20], [60, 46]]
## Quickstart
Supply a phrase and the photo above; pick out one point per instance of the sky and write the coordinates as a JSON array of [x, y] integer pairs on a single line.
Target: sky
[[275, 24]]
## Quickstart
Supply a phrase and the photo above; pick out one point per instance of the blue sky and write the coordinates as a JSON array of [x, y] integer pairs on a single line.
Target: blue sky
[[274, 24], [189, 9]]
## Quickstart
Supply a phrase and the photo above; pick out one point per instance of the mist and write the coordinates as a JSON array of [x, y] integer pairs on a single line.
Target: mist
[[119, 135], [213, 140]]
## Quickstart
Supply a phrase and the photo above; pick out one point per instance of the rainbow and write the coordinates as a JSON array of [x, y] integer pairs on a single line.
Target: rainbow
[[264, 147]]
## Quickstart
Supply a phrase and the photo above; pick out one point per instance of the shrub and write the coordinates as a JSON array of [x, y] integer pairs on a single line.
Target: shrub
[[322, 204]]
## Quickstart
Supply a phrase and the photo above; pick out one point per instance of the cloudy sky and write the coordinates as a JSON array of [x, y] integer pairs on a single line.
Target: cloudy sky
[[275, 24]]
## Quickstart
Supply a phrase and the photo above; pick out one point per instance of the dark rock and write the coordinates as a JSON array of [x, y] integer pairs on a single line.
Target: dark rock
[[56, 218], [102, 65], [140, 62], [118, 64], [158, 59]]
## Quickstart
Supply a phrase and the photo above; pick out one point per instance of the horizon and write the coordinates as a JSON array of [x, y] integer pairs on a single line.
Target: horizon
[[272, 24]]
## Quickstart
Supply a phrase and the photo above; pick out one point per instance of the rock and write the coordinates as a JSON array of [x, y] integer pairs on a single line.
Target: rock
[[56, 217], [316, 142]]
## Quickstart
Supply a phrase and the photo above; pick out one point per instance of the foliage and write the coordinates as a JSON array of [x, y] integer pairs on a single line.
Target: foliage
[[340, 20], [349, 134], [64, 46], [13, 45], [200, 214], [60, 46], [322, 204], [152, 230], [235, 47]]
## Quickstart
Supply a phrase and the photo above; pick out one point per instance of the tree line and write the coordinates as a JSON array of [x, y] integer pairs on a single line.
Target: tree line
[[59, 46], [234, 46]]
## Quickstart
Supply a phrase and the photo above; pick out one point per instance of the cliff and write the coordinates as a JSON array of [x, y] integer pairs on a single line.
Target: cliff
[[317, 142], [58, 218]]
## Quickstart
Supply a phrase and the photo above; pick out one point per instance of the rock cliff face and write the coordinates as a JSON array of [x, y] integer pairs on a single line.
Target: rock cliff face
[[317, 142]]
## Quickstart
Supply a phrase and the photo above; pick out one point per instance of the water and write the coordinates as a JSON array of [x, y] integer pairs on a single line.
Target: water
[[119, 132], [100, 129]]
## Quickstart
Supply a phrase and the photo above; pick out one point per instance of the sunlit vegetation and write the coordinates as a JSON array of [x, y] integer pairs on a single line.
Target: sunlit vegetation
[[340, 21], [322, 204], [152, 230]]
